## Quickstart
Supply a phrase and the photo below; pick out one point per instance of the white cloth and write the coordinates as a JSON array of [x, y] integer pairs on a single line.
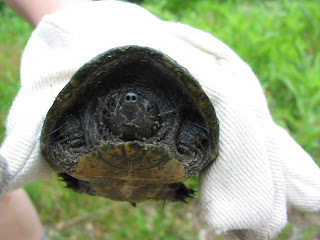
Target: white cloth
[[259, 168]]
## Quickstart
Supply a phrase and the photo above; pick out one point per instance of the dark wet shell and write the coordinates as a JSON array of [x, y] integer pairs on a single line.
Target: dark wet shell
[[88, 81], [72, 93]]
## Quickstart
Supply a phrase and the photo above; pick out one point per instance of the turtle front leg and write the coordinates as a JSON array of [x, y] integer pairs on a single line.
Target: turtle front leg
[[193, 141]]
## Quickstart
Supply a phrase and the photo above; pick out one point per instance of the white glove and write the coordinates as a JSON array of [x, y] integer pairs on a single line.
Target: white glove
[[244, 192]]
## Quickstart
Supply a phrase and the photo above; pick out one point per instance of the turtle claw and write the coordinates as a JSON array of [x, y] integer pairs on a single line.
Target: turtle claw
[[180, 192], [184, 193], [163, 204], [71, 182]]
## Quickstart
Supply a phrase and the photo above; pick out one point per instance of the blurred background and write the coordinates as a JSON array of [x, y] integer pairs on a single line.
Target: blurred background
[[280, 40]]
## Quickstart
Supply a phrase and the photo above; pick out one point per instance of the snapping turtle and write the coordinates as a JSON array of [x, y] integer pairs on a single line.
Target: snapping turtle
[[131, 125]]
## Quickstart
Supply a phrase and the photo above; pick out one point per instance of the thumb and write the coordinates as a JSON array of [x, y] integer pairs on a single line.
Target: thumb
[[4, 175]]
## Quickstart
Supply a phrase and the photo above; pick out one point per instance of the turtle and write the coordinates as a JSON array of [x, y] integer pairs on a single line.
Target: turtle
[[131, 125]]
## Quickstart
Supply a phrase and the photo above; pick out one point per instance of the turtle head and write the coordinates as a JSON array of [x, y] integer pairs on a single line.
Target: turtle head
[[132, 115]]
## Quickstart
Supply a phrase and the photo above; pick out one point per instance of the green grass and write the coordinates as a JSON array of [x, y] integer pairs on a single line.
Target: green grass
[[279, 39], [65, 214], [14, 34]]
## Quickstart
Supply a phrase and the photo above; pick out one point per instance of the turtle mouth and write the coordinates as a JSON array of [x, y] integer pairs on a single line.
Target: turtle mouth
[[130, 132]]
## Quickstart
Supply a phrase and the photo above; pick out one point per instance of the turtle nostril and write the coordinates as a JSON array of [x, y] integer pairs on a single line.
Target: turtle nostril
[[131, 97]]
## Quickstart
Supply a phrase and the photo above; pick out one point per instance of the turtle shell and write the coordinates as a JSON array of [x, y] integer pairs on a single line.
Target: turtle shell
[[79, 145]]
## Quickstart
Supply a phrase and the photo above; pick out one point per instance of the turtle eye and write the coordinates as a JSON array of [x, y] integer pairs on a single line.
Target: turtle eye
[[111, 105], [152, 110]]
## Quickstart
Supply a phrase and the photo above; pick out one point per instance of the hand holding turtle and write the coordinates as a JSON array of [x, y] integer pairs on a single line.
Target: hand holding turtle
[[259, 166]]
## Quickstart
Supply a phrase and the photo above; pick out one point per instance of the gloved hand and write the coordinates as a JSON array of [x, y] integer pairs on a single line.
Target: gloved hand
[[259, 168]]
